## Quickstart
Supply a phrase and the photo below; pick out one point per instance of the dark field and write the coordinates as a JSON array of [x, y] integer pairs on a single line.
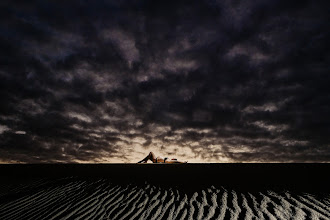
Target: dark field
[[165, 191]]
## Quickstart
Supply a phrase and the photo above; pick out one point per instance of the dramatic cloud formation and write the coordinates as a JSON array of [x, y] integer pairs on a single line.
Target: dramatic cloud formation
[[204, 81]]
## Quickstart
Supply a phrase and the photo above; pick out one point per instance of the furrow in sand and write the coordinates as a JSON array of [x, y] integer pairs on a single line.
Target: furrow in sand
[[105, 200], [93, 206], [182, 202], [53, 212], [18, 203], [278, 210], [76, 195], [45, 205], [148, 195], [131, 207], [215, 192], [88, 209], [264, 206], [184, 214], [314, 214], [59, 213], [21, 213], [325, 206], [80, 204], [291, 211], [21, 201], [327, 201], [42, 206], [222, 204], [158, 208], [140, 207], [202, 205], [124, 204], [236, 210], [231, 211], [214, 205], [250, 202], [170, 211], [166, 204], [152, 203], [77, 199], [112, 200], [112, 208], [284, 209], [139, 204], [168, 214], [256, 206], [65, 202], [248, 210], [24, 208], [243, 212], [191, 209], [317, 206], [87, 206], [99, 209], [62, 209]]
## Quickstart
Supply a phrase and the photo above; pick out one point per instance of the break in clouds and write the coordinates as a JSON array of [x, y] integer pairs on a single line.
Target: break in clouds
[[203, 81]]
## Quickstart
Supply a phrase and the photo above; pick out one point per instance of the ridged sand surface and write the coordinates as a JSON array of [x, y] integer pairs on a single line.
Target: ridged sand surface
[[72, 198]]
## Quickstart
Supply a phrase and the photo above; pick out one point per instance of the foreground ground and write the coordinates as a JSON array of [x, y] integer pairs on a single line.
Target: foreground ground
[[74, 192]]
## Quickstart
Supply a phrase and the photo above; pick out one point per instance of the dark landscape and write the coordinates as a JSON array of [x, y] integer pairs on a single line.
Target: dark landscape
[[239, 89], [164, 191]]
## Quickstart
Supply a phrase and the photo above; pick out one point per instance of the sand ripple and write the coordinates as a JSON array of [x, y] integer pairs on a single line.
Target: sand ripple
[[71, 198]]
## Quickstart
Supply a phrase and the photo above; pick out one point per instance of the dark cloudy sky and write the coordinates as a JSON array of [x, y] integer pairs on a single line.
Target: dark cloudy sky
[[203, 81]]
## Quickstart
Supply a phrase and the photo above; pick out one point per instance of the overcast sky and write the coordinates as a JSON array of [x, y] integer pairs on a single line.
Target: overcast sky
[[203, 81]]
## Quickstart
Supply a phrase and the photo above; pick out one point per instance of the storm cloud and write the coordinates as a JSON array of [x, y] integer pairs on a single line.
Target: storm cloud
[[203, 81]]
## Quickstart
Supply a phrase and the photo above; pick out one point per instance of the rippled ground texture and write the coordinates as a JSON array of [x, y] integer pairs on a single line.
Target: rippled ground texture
[[73, 198]]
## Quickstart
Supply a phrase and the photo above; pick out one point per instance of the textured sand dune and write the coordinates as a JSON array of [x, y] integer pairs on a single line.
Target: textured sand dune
[[72, 198]]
